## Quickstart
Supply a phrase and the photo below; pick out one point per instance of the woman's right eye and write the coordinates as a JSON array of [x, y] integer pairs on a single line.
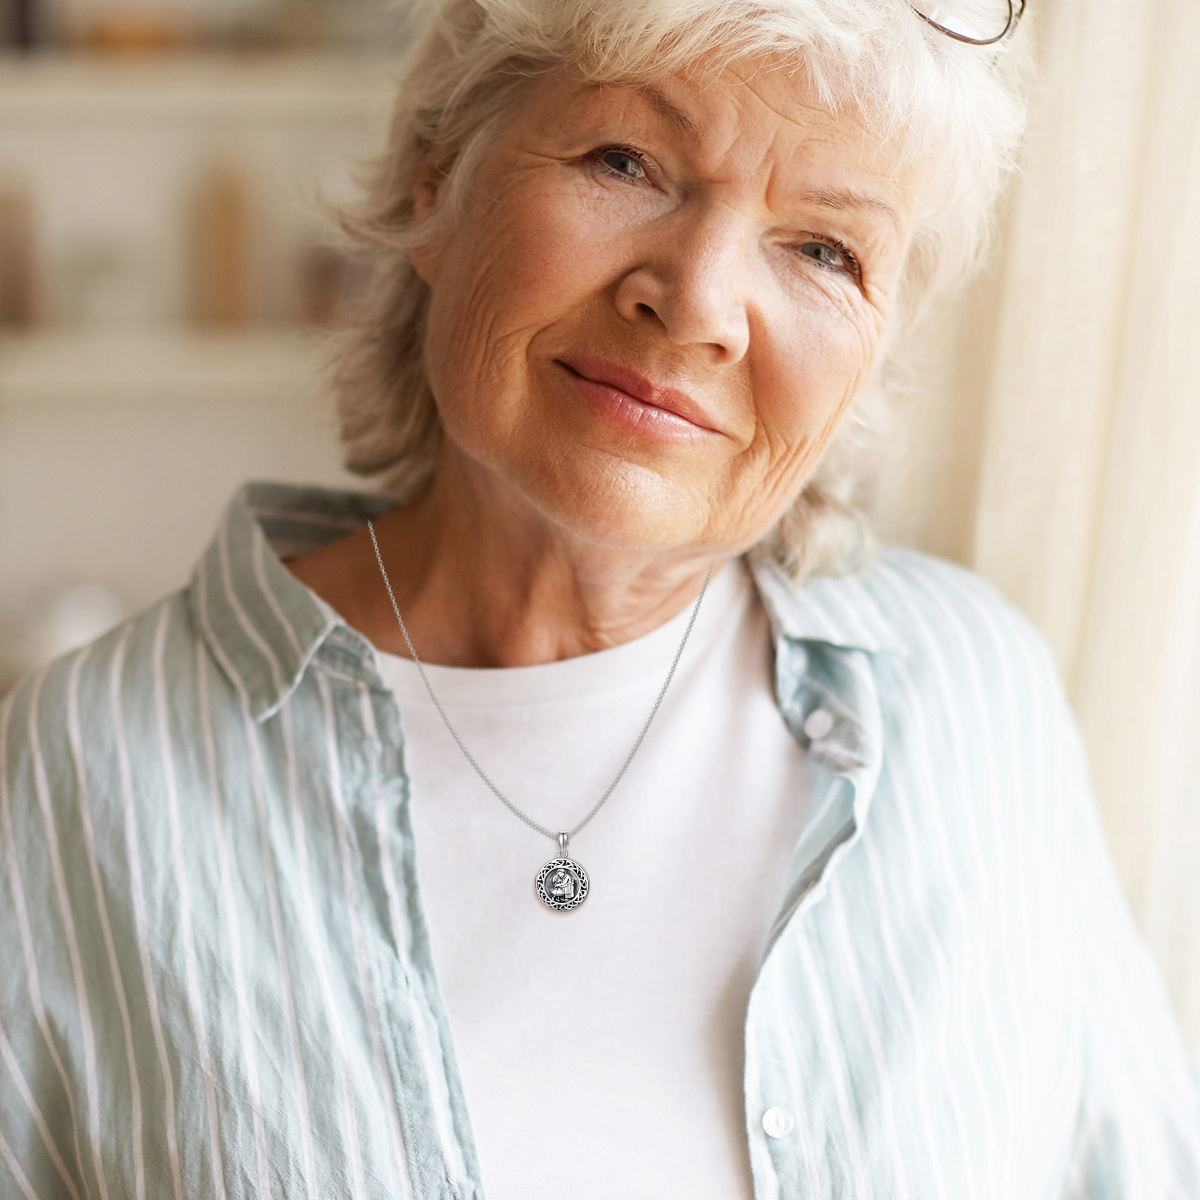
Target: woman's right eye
[[627, 164]]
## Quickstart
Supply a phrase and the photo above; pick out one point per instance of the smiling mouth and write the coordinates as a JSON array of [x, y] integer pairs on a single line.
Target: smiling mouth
[[672, 405]]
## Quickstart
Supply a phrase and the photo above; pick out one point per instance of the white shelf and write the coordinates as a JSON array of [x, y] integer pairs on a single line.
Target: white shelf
[[161, 368], [77, 90]]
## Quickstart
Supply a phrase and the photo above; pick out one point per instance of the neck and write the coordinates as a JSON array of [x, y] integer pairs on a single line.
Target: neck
[[481, 583]]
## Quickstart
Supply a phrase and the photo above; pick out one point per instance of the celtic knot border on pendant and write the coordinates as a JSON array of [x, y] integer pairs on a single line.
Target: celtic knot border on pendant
[[559, 905]]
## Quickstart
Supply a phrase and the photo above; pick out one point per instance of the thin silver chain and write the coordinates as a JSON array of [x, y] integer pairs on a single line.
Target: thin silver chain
[[550, 833]]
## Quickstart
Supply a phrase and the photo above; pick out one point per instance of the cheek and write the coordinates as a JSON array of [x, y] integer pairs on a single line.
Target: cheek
[[803, 381], [804, 384], [507, 275]]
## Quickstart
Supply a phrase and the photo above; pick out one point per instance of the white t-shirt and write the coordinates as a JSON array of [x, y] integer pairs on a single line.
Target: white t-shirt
[[601, 1050]]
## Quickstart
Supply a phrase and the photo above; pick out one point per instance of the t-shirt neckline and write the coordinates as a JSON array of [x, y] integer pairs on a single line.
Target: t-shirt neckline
[[729, 591]]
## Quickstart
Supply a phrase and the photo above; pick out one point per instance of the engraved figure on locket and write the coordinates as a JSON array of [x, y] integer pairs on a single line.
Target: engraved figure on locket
[[562, 885]]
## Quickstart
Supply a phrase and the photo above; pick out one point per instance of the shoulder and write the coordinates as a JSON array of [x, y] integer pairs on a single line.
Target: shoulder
[[945, 619], [83, 743], [907, 604], [973, 684], [91, 714], [942, 644]]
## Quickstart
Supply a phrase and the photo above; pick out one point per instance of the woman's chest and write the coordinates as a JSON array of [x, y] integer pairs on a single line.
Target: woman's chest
[[620, 1023]]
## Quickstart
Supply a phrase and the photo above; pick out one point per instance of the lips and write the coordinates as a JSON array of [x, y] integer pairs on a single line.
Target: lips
[[646, 391]]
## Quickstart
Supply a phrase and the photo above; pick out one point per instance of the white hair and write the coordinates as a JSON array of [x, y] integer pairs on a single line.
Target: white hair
[[958, 109]]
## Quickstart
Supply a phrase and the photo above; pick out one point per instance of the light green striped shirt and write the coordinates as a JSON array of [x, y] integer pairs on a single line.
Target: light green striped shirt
[[215, 972]]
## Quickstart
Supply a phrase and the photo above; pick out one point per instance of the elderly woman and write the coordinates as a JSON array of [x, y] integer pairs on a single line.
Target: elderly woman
[[382, 861]]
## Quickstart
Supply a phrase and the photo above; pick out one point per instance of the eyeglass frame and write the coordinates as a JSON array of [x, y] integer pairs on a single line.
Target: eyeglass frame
[[1016, 10]]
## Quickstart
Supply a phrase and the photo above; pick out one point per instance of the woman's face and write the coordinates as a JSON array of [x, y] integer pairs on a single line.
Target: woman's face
[[660, 301]]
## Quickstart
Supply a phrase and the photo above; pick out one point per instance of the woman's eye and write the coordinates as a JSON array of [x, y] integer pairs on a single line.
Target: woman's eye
[[832, 255], [622, 162]]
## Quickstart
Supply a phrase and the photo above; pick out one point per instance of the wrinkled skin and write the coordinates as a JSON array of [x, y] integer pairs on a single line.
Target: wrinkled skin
[[690, 231]]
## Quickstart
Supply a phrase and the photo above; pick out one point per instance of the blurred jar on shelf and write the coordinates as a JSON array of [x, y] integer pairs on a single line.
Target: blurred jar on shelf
[[25, 24], [223, 267], [141, 29], [21, 299]]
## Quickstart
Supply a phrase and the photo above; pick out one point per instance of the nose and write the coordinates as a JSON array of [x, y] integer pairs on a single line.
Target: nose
[[691, 277]]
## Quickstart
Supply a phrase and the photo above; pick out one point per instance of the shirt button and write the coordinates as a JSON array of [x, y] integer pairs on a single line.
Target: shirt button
[[818, 724], [778, 1122]]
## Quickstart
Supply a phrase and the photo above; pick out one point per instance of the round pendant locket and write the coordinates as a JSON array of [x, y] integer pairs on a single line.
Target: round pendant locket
[[562, 884]]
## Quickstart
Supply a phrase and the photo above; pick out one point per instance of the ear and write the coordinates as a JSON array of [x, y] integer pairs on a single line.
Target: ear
[[427, 196], [427, 182]]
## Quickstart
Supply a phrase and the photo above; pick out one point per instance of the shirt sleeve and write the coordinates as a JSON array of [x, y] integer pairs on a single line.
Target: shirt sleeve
[[1138, 1130]]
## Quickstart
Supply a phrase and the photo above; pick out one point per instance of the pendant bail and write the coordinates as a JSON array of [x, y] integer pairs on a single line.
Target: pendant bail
[[563, 839]]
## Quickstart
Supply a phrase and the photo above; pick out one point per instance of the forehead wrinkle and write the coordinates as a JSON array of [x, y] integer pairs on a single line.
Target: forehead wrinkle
[[832, 198]]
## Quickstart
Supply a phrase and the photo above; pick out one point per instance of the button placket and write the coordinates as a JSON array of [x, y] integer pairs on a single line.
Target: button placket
[[448, 1161]]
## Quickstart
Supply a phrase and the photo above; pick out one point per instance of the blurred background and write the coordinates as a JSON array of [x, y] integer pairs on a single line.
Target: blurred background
[[164, 267], [165, 272]]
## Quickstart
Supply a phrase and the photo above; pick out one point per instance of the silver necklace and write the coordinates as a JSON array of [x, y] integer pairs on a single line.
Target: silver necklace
[[562, 884]]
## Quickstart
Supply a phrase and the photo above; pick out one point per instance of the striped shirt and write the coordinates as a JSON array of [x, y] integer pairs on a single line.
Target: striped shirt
[[216, 976]]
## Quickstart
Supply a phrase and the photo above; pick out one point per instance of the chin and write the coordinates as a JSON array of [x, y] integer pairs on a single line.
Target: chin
[[632, 510]]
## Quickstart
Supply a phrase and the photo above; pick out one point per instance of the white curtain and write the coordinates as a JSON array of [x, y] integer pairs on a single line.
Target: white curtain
[[1057, 450]]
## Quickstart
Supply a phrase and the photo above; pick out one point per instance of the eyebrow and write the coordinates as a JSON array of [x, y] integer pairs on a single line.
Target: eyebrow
[[846, 199], [662, 105]]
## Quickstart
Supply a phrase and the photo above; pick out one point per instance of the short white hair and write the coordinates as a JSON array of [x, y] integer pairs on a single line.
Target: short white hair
[[958, 109]]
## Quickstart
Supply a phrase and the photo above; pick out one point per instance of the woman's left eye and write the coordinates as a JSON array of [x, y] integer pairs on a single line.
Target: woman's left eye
[[628, 164], [831, 254]]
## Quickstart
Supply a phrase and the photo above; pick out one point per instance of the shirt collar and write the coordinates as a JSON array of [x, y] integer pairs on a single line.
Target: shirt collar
[[836, 610], [264, 627]]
